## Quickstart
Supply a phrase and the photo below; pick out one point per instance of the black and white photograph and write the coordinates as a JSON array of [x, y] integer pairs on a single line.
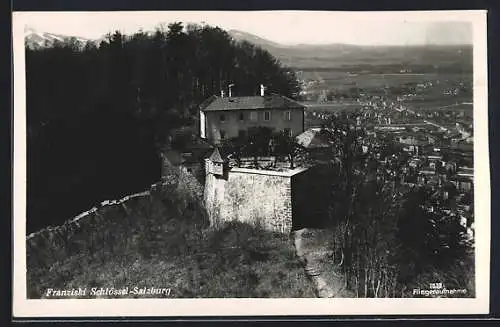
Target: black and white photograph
[[197, 163]]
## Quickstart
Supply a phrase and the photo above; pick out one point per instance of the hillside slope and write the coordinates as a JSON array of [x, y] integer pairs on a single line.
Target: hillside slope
[[163, 241]]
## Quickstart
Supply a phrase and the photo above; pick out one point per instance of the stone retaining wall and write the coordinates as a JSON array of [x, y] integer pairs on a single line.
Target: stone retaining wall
[[259, 197]]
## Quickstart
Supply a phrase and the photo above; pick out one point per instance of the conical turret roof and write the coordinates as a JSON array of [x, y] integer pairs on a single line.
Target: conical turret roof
[[216, 157]]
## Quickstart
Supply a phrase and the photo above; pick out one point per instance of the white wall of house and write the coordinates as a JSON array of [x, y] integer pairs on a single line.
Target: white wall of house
[[202, 125], [228, 124]]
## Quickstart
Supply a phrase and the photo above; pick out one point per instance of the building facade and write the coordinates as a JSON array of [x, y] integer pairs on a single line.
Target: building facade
[[229, 117]]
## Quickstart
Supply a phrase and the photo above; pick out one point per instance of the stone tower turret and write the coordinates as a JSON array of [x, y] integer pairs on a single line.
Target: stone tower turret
[[215, 163]]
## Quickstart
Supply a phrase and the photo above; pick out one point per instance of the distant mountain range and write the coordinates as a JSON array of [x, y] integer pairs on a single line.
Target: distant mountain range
[[319, 56], [310, 56], [35, 39], [244, 36]]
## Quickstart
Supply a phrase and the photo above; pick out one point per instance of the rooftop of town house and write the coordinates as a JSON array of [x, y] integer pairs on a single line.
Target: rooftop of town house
[[460, 178], [274, 101], [314, 138], [411, 134], [427, 172]]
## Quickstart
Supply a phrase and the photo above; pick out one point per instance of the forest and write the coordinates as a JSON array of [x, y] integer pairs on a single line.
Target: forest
[[99, 114]]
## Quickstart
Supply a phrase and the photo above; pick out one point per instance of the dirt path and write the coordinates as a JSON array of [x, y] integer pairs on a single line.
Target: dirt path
[[314, 249]]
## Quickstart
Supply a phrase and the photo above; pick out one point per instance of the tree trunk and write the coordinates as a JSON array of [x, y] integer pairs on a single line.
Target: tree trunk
[[366, 282], [373, 280], [357, 284], [378, 287]]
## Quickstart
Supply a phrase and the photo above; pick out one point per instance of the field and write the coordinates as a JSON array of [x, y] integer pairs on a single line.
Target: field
[[328, 79], [341, 56], [448, 103], [426, 91], [341, 80]]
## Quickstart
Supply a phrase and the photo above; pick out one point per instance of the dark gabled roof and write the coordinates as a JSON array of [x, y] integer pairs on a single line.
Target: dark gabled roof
[[273, 101]]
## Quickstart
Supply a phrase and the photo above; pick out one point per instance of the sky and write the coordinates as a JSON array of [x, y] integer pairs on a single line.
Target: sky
[[286, 27]]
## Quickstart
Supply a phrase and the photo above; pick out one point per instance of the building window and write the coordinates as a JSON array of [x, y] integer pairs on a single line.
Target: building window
[[288, 115], [222, 134], [253, 115], [242, 116], [222, 118], [288, 132], [267, 115]]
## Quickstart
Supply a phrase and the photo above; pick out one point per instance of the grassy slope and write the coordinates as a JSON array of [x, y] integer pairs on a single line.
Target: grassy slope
[[163, 242]]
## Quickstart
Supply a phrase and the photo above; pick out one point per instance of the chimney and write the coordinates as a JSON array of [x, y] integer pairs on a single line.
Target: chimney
[[230, 86], [221, 93], [262, 89]]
